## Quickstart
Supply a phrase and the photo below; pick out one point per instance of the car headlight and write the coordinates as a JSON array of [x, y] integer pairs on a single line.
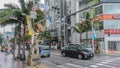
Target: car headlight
[[84, 52]]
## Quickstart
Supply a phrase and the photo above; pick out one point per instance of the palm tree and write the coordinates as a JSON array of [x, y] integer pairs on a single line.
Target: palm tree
[[45, 35], [79, 29], [5, 14], [87, 25], [1, 39]]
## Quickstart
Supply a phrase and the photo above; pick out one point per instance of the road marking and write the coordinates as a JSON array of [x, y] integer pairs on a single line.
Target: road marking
[[99, 64], [48, 62], [113, 59], [106, 65], [74, 65], [94, 66], [55, 54], [104, 62], [62, 66], [111, 64]]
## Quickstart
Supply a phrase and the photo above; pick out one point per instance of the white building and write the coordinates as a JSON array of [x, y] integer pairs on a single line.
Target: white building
[[107, 11]]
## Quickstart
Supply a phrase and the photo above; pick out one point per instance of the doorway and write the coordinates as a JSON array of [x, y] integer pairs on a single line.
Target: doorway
[[114, 45]]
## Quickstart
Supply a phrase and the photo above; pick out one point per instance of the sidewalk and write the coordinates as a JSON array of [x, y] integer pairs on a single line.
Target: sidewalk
[[6, 61]]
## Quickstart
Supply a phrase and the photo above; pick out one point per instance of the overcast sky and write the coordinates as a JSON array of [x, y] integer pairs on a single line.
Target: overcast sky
[[2, 2]]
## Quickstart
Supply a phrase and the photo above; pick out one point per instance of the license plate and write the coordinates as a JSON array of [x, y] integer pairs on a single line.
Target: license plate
[[46, 54]]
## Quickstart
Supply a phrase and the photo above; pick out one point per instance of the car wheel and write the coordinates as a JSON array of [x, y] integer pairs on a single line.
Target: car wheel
[[48, 56], [63, 54], [79, 56]]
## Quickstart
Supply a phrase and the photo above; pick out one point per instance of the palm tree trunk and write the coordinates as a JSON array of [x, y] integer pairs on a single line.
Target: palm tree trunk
[[24, 57], [19, 42], [80, 38], [86, 37], [14, 47]]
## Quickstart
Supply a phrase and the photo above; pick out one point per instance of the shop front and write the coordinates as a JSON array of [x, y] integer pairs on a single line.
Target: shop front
[[111, 32]]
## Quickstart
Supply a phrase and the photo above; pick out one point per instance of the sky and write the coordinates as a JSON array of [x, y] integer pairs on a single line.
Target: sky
[[2, 2]]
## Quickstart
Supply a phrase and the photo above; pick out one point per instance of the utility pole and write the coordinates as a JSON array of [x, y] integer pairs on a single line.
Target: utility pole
[[92, 28], [64, 18]]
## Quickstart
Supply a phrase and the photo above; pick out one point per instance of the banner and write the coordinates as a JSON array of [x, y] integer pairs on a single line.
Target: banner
[[94, 34], [31, 32]]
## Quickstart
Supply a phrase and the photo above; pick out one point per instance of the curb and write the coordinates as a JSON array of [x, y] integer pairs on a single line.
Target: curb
[[37, 66]]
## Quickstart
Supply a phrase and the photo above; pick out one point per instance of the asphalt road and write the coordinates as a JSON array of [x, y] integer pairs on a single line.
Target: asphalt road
[[57, 61]]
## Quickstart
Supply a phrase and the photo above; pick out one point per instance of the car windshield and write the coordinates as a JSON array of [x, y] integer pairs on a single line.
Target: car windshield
[[83, 46], [44, 47]]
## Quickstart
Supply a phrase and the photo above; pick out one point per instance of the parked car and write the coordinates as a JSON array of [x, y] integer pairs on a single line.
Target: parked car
[[88, 47], [77, 51], [44, 50]]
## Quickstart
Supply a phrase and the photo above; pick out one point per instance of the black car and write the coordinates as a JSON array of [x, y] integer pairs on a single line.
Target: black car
[[77, 51]]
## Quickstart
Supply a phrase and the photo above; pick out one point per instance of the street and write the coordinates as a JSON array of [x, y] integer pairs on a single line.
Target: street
[[57, 61]]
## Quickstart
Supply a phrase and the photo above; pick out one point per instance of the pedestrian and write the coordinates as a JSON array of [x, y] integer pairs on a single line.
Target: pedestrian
[[98, 48], [6, 49]]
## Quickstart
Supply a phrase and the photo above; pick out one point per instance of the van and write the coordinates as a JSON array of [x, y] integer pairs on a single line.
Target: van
[[44, 50]]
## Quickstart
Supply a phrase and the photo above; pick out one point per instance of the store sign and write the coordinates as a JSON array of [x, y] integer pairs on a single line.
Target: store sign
[[111, 31], [33, 14], [116, 17]]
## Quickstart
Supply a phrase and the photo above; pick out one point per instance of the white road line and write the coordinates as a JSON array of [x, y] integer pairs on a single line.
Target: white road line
[[111, 64], [113, 59], [99, 64], [74, 65], [48, 62], [104, 62], [106, 65], [62, 66], [93, 66], [55, 54]]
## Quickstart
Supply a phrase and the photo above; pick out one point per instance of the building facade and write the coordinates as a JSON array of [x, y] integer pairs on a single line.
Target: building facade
[[108, 31], [56, 21]]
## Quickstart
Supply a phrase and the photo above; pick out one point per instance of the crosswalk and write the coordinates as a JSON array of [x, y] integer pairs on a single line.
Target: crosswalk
[[106, 64], [98, 65], [96, 62], [70, 65]]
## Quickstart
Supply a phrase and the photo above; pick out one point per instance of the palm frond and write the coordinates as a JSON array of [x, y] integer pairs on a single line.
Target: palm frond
[[11, 6], [7, 22]]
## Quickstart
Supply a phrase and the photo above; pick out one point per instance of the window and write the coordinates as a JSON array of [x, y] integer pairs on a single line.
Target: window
[[73, 48], [111, 24], [98, 25], [110, 0], [98, 10], [111, 9], [67, 48]]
